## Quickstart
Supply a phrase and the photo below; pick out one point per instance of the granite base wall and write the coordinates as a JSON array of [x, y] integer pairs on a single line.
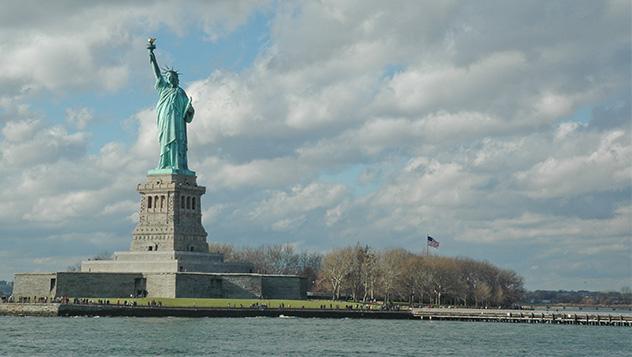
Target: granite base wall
[[34, 284], [161, 285], [241, 286], [215, 268], [284, 287], [103, 285], [167, 285], [198, 286]]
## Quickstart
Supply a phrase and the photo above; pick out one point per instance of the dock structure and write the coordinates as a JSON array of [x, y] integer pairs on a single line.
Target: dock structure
[[524, 316]]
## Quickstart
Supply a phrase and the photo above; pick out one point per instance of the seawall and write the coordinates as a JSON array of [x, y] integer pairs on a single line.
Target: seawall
[[43, 309], [477, 315], [19, 309], [155, 311]]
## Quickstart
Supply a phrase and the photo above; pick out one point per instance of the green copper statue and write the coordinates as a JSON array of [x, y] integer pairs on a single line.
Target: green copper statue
[[174, 111]]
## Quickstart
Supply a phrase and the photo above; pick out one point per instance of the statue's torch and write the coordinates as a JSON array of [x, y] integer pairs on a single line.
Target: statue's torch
[[151, 43]]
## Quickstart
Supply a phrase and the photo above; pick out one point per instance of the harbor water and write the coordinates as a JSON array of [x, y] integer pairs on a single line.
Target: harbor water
[[287, 336]]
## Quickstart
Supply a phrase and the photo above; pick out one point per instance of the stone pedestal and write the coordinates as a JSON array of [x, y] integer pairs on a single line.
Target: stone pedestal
[[170, 217], [169, 236]]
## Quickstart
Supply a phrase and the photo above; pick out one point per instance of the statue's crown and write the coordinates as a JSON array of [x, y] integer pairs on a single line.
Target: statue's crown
[[172, 70]]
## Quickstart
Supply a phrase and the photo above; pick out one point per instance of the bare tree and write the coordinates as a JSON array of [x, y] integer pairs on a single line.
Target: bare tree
[[337, 266], [229, 252], [407, 281], [509, 288], [482, 293], [390, 263], [74, 268], [370, 275], [422, 279]]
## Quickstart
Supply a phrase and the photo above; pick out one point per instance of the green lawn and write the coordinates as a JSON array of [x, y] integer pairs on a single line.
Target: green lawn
[[184, 302]]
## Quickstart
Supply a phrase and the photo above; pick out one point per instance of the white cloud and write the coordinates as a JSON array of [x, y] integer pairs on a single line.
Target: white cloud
[[61, 207], [79, 117], [553, 106], [28, 143], [257, 173], [287, 209], [604, 169], [226, 108], [18, 131], [566, 129], [613, 231], [120, 207], [211, 214], [338, 213], [429, 87], [435, 184]]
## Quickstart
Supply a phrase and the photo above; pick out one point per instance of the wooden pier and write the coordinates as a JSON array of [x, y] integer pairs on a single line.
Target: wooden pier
[[524, 316]]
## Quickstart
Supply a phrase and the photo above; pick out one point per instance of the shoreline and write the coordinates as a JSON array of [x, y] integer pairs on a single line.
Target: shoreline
[[154, 311], [427, 314], [70, 310]]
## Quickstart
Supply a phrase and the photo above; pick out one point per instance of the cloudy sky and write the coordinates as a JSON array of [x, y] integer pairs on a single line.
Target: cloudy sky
[[501, 128]]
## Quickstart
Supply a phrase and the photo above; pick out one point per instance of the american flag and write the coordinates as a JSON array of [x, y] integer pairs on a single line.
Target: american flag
[[433, 242]]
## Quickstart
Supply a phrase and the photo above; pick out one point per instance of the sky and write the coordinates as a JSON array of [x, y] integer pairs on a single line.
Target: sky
[[500, 128]]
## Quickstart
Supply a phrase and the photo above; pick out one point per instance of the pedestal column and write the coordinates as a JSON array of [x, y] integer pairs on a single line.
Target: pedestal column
[[170, 217]]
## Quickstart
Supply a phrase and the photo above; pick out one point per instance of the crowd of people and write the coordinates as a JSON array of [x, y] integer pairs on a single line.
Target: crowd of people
[[67, 300]]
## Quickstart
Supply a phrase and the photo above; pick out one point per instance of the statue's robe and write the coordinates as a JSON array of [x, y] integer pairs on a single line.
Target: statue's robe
[[172, 116]]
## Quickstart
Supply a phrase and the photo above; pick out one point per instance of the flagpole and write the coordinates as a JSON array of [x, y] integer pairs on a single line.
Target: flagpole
[[427, 252]]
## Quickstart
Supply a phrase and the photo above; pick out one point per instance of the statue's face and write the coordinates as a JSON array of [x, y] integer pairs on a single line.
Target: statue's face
[[172, 78]]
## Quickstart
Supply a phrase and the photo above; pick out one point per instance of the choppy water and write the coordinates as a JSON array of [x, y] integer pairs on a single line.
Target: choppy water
[[302, 337]]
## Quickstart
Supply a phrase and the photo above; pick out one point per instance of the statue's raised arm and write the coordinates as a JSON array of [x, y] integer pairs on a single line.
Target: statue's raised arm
[[152, 57]]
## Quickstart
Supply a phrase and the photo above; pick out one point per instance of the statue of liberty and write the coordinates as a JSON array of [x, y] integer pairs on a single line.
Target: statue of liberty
[[174, 111]]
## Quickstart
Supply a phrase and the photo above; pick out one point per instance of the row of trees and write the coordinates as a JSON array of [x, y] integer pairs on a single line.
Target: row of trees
[[274, 259], [364, 274], [397, 274]]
